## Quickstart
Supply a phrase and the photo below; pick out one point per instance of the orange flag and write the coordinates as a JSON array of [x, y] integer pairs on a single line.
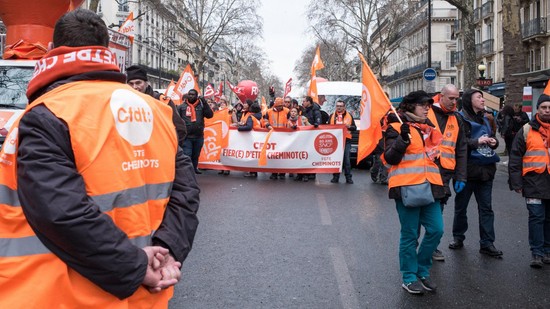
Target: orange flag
[[129, 27], [186, 82], [262, 161], [374, 105], [316, 65]]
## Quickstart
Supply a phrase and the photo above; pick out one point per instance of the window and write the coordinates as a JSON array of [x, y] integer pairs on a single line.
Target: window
[[123, 6]]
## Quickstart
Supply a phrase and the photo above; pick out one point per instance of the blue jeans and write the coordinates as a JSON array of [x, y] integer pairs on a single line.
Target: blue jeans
[[539, 227], [482, 191], [412, 263], [192, 148]]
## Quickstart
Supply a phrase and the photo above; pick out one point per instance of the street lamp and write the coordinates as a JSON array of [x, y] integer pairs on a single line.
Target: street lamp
[[481, 68], [160, 44]]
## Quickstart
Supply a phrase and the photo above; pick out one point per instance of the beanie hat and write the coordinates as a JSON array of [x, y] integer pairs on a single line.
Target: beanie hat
[[543, 98], [136, 72]]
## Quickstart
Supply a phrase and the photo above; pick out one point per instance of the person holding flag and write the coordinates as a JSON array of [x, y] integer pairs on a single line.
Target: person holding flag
[[193, 110], [410, 149]]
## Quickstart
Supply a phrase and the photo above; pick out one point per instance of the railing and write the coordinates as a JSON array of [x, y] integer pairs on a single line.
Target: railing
[[487, 47], [478, 50], [534, 27], [411, 71], [421, 18], [487, 9]]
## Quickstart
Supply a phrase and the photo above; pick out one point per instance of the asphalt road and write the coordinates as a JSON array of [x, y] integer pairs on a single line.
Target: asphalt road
[[282, 244]]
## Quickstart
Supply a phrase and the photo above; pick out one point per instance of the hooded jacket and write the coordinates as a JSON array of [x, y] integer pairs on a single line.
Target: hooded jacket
[[475, 172]]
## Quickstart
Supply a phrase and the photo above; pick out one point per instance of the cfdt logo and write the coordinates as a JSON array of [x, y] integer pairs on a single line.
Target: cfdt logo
[[326, 144], [133, 117]]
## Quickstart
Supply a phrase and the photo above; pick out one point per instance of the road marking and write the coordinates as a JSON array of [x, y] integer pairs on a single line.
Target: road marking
[[345, 285], [323, 209]]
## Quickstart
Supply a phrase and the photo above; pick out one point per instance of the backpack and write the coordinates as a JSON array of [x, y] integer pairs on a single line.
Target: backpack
[[325, 118]]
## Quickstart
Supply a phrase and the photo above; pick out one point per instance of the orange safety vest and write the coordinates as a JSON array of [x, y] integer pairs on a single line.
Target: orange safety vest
[[415, 167], [123, 123], [278, 119], [255, 122], [536, 154], [347, 121], [447, 147]]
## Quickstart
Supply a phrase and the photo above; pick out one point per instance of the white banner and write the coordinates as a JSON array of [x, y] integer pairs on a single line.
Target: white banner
[[305, 150]]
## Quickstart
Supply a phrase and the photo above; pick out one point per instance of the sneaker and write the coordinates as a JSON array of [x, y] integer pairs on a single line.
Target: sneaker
[[335, 180], [428, 284], [226, 173], [273, 176], [456, 244], [298, 178], [491, 251], [305, 179], [349, 180], [536, 262], [438, 256], [546, 258], [249, 174], [413, 287], [281, 176]]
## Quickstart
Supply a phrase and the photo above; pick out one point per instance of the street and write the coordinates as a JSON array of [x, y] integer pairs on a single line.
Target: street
[[265, 243]]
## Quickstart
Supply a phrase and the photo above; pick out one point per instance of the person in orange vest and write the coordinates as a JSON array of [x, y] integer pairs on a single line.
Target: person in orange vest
[[453, 156], [276, 117], [136, 77], [409, 149], [296, 120], [481, 170], [529, 171], [99, 204], [342, 117], [252, 114]]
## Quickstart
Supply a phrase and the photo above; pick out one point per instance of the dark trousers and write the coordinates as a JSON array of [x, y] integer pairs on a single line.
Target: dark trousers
[[346, 168], [192, 147], [539, 227], [482, 191]]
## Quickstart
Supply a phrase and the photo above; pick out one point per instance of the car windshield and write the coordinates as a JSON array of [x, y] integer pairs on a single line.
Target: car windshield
[[353, 104], [13, 86]]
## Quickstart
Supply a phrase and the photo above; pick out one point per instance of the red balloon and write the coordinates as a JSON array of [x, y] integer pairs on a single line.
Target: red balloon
[[246, 89]]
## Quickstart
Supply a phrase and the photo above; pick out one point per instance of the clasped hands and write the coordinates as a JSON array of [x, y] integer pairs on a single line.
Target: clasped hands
[[485, 140], [163, 271]]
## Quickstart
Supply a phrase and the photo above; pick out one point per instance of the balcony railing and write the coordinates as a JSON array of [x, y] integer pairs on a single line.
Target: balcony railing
[[417, 69], [534, 27], [478, 50], [487, 47], [420, 19], [487, 9], [457, 57]]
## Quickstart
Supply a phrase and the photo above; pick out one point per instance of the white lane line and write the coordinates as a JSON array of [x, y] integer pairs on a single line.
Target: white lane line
[[345, 285], [323, 209]]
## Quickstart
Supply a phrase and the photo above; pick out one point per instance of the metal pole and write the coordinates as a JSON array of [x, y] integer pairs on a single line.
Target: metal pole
[[429, 33]]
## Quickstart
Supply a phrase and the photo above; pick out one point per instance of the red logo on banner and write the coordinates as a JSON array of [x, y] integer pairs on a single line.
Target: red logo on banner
[[326, 144]]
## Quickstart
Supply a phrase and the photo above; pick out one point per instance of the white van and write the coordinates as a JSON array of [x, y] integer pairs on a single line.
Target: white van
[[350, 93]]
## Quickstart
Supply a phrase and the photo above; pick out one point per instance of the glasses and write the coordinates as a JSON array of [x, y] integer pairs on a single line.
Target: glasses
[[287, 101], [424, 104], [340, 106]]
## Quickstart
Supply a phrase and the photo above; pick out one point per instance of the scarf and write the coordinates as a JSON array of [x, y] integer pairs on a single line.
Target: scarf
[[444, 109], [190, 111], [432, 137], [544, 129], [295, 121], [65, 61]]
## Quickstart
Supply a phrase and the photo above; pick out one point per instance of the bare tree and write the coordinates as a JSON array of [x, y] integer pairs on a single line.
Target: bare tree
[[351, 23], [206, 21]]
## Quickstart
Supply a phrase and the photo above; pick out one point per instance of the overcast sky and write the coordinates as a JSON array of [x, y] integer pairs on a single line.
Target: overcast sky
[[284, 34]]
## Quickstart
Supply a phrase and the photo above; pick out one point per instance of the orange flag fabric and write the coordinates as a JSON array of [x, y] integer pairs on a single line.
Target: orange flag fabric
[[129, 27], [186, 82], [316, 65], [374, 105]]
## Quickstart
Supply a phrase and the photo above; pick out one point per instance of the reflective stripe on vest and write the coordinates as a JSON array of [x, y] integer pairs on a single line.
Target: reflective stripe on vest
[[447, 147], [347, 121], [415, 166], [536, 158], [128, 172], [278, 119]]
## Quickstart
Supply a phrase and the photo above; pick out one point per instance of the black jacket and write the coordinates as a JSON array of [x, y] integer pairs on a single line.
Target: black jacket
[[69, 223], [461, 150], [534, 185], [181, 129], [394, 150], [313, 114], [475, 172], [202, 110]]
